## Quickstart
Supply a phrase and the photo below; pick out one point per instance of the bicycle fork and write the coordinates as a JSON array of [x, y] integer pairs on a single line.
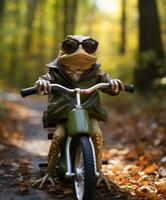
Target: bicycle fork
[[69, 172]]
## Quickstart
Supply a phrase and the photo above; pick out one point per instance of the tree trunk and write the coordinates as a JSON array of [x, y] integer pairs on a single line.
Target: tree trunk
[[41, 36], [31, 10], [164, 20], [65, 23], [123, 28], [2, 2], [57, 30], [2, 7], [149, 28], [74, 14], [14, 71], [150, 46], [70, 11]]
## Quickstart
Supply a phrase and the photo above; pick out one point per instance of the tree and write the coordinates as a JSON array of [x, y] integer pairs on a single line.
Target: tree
[[163, 4], [31, 10], [70, 11], [2, 7], [14, 50], [58, 27], [150, 46], [41, 36], [2, 2], [123, 27]]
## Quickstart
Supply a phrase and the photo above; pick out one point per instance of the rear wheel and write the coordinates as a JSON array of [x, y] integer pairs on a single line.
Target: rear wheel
[[84, 181]]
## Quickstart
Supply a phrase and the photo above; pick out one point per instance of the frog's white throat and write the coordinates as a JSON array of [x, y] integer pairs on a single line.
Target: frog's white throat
[[77, 62]]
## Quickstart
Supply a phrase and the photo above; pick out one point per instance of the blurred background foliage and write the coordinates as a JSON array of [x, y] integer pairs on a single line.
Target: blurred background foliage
[[131, 33]]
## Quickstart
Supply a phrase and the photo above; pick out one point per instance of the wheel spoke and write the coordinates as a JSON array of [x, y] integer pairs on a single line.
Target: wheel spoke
[[80, 164], [79, 173], [83, 166]]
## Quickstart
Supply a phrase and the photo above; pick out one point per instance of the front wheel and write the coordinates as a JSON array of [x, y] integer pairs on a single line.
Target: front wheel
[[84, 180]]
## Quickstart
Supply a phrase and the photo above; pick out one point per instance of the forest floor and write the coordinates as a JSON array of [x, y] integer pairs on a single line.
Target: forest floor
[[134, 145]]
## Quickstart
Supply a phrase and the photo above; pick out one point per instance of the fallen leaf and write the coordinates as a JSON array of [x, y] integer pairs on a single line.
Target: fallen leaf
[[151, 169], [163, 160], [2, 172], [144, 160], [23, 189], [8, 175], [20, 179], [2, 147], [15, 166], [161, 185], [68, 190], [162, 171], [148, 191]]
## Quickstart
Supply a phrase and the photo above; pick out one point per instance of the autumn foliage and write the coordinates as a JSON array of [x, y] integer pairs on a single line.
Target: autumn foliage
[[134, 145]]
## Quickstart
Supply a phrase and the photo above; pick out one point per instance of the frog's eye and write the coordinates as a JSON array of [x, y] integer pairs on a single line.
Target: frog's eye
[[70, 46], [90, 45]]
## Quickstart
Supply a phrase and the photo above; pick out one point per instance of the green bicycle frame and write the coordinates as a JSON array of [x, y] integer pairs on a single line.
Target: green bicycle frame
[[78, 122]]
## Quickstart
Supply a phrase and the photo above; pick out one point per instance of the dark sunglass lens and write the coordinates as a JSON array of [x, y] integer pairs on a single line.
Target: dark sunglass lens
[[70, 46], [90, 45]]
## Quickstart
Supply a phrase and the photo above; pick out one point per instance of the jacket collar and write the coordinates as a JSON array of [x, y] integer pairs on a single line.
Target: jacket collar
[[53, 64], [56, 65]]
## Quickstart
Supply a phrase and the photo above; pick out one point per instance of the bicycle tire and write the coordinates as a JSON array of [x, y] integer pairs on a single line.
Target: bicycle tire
[[82, 145]]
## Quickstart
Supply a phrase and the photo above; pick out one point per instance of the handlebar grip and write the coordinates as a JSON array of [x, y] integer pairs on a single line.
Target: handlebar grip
[[28, 91], [129, 88]]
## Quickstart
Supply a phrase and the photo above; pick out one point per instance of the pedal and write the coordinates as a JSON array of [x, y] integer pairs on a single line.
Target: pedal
[[50, 135], [105, 162], [43, 165]]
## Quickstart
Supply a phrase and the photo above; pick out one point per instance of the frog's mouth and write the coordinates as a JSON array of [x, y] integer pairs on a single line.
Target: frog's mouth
[[78, 61]]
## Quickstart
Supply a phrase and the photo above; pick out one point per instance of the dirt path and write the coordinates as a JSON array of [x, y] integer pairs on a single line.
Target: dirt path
[[134, 145], [20, 163], [27, 151]]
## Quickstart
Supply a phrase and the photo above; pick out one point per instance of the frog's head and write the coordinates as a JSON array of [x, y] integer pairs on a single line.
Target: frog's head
[[78, 52]]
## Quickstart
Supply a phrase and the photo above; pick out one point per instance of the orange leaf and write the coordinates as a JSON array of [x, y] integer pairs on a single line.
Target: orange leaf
[[150, 169]]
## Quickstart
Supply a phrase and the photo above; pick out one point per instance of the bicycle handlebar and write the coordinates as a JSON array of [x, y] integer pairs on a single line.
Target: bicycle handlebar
[[33, 90]]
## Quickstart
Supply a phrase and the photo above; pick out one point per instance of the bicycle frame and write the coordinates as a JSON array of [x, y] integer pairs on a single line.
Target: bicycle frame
[[78, 124], [78, 119]]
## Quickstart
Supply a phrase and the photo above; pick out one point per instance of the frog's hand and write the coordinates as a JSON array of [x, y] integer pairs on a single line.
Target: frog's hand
[[103, 178], [40, 182]]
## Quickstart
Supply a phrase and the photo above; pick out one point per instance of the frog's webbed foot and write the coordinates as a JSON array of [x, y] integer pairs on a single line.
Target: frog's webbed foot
[[41, 182], [103, 178]]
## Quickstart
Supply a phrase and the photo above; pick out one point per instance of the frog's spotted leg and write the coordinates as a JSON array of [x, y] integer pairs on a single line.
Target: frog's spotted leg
[[98, 143], [52, 157]]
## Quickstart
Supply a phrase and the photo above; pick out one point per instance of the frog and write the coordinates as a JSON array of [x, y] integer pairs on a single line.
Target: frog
[[75, 66]]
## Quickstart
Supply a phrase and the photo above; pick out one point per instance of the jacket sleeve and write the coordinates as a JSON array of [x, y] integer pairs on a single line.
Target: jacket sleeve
[[104, 77], [48, 77]]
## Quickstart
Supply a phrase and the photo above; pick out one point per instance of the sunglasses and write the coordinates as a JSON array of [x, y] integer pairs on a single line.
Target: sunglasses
[[71, 45]]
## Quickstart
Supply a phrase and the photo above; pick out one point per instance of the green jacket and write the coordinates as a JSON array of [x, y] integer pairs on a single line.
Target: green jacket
[[60, 103]]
